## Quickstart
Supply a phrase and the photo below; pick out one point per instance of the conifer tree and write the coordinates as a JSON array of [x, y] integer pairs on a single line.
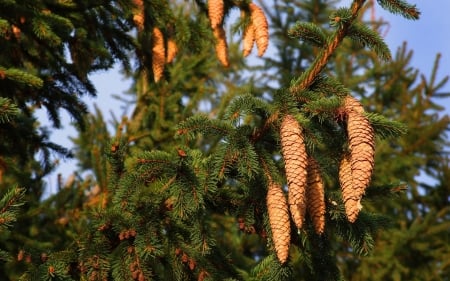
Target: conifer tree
[[48, 49], [394, 96], [192, 186]]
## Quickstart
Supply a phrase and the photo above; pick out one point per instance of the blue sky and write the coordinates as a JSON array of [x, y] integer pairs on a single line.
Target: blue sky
[[426, 37]]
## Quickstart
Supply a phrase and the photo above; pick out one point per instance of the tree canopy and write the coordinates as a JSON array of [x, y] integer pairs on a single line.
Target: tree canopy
[[301, 167]]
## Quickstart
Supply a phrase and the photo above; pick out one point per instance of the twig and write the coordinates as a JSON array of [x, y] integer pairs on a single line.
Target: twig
[[320, 62]]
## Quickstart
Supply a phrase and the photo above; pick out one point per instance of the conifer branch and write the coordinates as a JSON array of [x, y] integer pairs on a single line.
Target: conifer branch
[[9, 204], [260, 131], [7, 110], [370, 38], [309, 32], [320, 62], [400, 7]]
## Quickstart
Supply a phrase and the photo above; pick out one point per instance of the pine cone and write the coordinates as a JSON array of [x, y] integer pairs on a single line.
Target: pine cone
[[158, 54], [279, 220], [215, 12], [295, 159], [315, 196], [138, 14], [172, 50], [362, 146], [350, 195], [221, 46], [261, 27], [249, 39]]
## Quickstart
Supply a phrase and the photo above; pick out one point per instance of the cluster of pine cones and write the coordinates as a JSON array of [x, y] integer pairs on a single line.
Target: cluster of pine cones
[[256, 31], [306, 189], [160, 56]]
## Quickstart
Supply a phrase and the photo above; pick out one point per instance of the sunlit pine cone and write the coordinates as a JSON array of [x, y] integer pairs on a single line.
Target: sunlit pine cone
[[138, 14], [221, 46], [248, 39], [158, 54], [277, 208], [361, 143], [215, 12], [315, 196], [350, 195], [259, 22], [172, 50], [295, 159]]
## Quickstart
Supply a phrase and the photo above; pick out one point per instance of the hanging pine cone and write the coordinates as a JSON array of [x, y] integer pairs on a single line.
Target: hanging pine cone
[[221, 46], [215, 12], [362, 149], [158, 54], [172, 50], [138, 14], [279, 220], [249, 39], [350, 195], [261, 28], [295, 159], [315, 196]]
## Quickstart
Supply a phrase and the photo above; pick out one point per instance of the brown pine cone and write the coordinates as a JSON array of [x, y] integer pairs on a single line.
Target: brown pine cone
[[315, 196], [295, 159], [279, 220], [350, 195], [249, 39], [138, 14], [259, 21], [172, 50], [215, 12], [221, 46], [362, 146], [158, 54]]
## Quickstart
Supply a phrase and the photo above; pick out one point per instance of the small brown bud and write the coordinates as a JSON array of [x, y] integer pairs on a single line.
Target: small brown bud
[[192, 264], [20, 255], [184, 258]]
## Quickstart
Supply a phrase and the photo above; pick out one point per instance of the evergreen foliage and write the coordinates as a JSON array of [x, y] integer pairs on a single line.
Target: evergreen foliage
[[178, 191]]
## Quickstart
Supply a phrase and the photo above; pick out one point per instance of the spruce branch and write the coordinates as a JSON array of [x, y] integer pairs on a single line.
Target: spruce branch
[[7, 110], [202, 124], [370, 38], [309, 32], [385, 128], [9, 206], [400, 7], [308, 77], [21, 77], [257, 134], [246, 104]]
